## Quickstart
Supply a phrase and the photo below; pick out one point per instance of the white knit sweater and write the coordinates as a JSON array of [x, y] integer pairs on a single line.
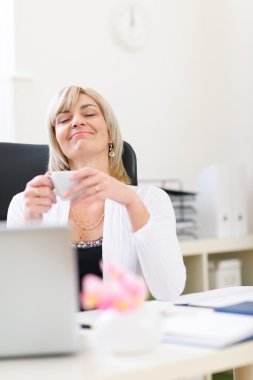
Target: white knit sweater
[[152, 251]]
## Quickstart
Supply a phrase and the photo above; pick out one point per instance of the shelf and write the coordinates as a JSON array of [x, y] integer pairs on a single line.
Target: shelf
[[197, 254], [191, 247]]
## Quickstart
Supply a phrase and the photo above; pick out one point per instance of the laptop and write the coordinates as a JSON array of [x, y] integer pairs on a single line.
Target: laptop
[[38, 292]]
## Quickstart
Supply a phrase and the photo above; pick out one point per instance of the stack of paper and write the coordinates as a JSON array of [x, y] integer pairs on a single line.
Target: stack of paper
[[208, 329], [184, 207]]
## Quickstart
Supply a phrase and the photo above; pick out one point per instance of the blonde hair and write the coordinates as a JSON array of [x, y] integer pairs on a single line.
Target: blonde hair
[[64, 100]]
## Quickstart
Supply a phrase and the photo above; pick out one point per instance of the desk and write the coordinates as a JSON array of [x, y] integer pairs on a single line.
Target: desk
[[166, 362]]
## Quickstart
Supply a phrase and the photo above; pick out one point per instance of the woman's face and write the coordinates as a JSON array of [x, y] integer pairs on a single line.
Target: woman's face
[[82, 132]]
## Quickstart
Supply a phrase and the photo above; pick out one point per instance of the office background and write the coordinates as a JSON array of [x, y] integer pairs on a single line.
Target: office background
[[184, 100]]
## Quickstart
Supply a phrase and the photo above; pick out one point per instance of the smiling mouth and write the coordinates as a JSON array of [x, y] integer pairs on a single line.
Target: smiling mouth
[[81, 133]]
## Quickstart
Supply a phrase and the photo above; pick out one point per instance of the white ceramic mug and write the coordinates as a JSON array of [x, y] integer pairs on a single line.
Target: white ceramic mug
[[62, 182]]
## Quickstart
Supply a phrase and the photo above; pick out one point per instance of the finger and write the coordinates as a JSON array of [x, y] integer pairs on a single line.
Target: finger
[[44, 192], [96, 180], [41, 180], [80, 192], [83, 173], [35, 203], [42, 201], [36, 195], [36, 211], [32, 216], [39, 209], [40, 192], [86, 185]]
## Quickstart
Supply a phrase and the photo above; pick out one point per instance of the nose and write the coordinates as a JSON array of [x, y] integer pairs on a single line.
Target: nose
[[77, 120]]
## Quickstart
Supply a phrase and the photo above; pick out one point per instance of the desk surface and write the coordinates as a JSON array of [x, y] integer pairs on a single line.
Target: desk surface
[[168, 362]]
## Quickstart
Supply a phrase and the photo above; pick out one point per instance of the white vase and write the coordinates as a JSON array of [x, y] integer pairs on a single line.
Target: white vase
[[129, 331]]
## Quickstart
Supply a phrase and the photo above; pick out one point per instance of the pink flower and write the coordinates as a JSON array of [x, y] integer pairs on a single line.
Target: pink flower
[[122, 290], [93, 291]]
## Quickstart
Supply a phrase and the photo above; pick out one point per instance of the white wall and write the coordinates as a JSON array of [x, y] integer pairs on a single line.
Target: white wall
[[183, 101]]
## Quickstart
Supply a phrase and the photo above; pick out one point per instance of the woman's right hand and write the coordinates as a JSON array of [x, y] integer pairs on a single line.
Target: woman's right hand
[[39, 197]]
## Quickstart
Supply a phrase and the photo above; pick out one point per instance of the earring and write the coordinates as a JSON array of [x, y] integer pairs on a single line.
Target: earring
[[111, 151]]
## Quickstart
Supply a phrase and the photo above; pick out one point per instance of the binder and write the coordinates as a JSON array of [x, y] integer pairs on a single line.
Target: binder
[[221, 201], [239, 216], [213, 202]]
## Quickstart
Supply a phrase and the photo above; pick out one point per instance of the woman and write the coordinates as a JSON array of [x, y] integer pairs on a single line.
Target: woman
[[134, 226]]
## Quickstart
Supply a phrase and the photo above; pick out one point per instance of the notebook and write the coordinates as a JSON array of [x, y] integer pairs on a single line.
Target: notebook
[[217, 297], [238, 308], [38, 292]]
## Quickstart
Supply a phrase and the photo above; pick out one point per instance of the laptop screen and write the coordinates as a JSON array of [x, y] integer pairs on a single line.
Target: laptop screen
[[38, 292]]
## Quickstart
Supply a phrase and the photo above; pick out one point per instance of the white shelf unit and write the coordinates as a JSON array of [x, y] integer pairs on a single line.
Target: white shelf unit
[[198, 253]]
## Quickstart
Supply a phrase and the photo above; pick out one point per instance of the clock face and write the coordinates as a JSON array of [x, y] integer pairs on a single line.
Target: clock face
[[130, 24]]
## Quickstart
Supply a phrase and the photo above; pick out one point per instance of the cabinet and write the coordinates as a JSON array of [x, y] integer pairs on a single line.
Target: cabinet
[[198, 253]]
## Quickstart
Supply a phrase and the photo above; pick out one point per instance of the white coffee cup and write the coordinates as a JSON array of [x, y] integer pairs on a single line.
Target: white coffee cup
[[62, 183]]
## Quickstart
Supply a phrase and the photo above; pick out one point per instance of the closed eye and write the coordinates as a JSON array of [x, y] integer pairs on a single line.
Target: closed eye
[[63, 119]]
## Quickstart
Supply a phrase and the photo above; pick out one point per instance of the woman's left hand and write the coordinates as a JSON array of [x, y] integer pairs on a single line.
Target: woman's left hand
[[94, 185]]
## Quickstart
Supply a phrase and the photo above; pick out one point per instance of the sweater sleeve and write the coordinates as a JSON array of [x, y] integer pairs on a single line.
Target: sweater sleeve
[[56, 215], [16, 211], [158, 248]]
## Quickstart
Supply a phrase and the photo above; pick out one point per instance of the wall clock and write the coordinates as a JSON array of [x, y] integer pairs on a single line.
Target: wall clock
[[131, 25]]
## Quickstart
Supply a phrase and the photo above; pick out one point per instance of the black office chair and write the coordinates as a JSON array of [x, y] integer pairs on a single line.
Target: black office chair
[[19, 163]]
